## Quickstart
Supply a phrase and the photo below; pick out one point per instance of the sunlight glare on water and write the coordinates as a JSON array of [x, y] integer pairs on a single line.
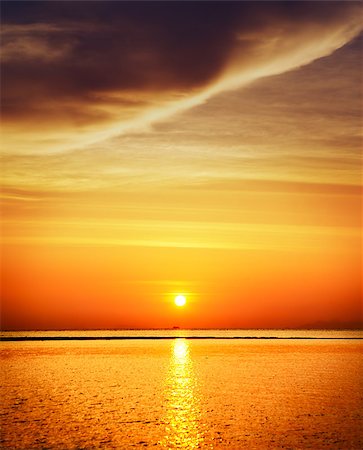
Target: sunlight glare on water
[[183, 416]]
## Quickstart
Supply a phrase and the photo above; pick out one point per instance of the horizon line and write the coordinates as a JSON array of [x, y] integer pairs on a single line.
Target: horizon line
[[113, 338], [358, 326]]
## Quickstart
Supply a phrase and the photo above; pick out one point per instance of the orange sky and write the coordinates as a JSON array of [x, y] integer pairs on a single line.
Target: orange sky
[[236, 182]]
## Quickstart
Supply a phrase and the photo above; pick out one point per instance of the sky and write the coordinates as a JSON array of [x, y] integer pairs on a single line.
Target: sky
[[211, 149]]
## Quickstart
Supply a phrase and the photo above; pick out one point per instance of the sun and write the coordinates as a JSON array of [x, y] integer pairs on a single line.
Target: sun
[[180, 300]]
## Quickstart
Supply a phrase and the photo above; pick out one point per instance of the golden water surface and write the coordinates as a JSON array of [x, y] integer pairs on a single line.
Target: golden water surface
[[182, 393]]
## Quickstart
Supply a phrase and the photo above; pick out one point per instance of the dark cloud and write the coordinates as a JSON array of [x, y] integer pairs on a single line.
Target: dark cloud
[[61, 57], [126, 47]]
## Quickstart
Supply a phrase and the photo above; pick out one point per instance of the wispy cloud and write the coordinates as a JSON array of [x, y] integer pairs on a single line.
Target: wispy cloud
[[145, 62]]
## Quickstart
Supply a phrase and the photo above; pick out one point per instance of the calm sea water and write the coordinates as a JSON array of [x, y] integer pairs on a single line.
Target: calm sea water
[[183, 393]]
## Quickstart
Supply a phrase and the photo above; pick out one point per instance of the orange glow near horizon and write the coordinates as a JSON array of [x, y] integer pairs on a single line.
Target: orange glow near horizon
[[57, 282]]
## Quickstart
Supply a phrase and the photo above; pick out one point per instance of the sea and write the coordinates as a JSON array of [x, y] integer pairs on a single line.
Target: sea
[[182, 389]]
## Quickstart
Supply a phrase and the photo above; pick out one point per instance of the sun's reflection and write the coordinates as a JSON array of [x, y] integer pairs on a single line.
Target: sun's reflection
[[182, 420]]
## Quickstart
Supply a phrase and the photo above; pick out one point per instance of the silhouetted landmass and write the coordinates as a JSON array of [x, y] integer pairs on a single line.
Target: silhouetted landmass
[[121, 338]]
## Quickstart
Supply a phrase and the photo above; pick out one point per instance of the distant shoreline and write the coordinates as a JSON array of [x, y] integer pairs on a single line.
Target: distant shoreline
[[122, 338]]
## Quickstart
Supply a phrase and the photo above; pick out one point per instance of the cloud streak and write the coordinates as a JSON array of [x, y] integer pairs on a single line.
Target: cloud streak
[[77, 73]]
